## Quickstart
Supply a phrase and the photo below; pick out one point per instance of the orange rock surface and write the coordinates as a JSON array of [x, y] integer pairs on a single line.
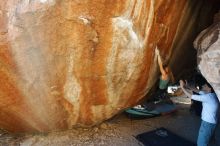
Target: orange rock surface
[[66, 63]]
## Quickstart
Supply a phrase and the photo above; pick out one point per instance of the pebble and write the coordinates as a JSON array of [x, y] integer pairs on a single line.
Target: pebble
[[96, 129], [104, 126]]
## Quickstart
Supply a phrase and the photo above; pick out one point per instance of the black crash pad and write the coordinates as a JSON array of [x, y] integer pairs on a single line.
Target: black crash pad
[[162, 137]]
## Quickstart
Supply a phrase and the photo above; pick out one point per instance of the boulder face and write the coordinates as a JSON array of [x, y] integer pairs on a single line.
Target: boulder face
[[66, 63], [208, 47]]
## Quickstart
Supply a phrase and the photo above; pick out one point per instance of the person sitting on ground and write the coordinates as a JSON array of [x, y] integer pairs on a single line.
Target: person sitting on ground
[[210, 109], [166, 75]]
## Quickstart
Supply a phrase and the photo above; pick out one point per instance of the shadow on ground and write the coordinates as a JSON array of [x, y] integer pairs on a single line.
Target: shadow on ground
[[119, 131]]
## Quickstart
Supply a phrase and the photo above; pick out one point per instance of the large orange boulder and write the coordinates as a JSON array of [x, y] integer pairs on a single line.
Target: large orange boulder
[[66, 63]]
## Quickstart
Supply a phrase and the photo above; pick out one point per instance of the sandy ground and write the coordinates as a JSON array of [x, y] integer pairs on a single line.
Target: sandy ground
[[119, 131]]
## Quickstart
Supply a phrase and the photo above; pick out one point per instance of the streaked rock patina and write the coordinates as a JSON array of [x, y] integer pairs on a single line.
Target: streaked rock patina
[[66, 63]]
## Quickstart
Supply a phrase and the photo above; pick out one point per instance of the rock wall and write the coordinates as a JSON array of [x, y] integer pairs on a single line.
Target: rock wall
[[208, 47], [66, 63]]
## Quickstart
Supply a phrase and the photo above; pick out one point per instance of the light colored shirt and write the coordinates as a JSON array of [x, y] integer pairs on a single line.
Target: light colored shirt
[[210, 106]]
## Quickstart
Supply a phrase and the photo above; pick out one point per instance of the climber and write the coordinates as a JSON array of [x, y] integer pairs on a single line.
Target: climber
[[166, 76], [210, 108]]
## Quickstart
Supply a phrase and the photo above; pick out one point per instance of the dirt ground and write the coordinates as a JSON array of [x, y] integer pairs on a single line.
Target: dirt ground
[[119, 131]]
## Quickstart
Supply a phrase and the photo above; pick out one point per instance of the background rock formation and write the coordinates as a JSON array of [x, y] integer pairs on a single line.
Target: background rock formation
[[208, 48], [66, 63]]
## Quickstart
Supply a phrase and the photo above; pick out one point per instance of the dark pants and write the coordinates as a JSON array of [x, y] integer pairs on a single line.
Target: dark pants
[[161, 94], [217, 135]]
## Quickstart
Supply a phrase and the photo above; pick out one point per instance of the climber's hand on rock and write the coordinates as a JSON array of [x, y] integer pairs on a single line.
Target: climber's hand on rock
[[157, 51]]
